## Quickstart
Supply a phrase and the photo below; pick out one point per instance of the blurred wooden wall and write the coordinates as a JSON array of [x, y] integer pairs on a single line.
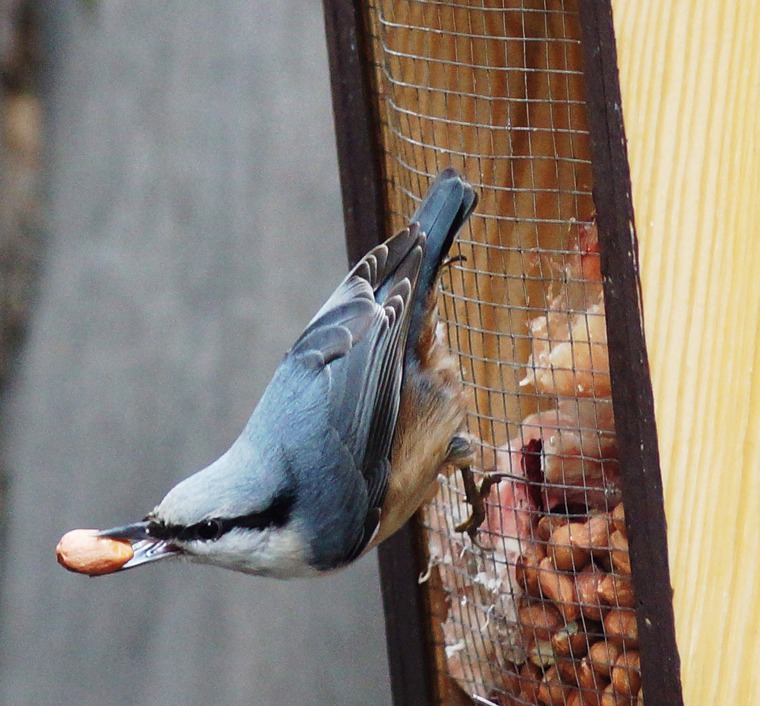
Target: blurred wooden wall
[[193, 227], [690, 80]]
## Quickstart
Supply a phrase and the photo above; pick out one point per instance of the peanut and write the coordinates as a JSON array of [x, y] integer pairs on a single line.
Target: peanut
[[84, 552], [551, 690], [618, 519], [565, 553], [526, 569], [570, 641], [616, 591], [620, 626], [593, 535], [610, 697], [626, 674], [559, 588], [587, 584], [538, 622], [568, 669], [589, 680], [603, 655], [621, 559], [530, 678], [549, 524], [591, 698], [510, 680]]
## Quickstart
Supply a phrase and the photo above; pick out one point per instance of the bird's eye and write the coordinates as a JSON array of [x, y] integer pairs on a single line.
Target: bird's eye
[[208, 530]]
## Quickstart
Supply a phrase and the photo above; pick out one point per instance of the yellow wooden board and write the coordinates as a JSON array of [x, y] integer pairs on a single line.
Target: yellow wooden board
[[690, 80]]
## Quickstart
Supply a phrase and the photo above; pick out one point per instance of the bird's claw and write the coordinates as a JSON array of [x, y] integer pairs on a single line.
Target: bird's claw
[[476, 498], [451, 260]]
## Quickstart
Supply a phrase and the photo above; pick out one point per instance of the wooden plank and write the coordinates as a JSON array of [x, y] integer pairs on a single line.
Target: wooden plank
[[409, 648], [356, 131], [192, 228], [690, 84]]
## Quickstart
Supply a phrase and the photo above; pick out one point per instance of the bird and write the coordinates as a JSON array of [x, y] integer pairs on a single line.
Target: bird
[[362, 414]]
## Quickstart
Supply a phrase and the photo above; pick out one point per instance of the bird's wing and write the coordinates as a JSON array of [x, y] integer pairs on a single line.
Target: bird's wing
[[357, 339]]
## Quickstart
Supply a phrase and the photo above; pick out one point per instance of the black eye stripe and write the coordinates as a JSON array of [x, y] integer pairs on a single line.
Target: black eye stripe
[[276, 515], [206, 531]]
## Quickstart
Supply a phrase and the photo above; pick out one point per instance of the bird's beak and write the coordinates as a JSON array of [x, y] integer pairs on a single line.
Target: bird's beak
[[146, 548]]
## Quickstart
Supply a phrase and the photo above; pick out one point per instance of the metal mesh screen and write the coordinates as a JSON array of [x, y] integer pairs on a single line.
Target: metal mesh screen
[[537, 608]]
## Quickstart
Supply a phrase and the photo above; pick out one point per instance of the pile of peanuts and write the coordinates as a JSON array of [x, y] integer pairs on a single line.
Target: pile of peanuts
[[577, 618]]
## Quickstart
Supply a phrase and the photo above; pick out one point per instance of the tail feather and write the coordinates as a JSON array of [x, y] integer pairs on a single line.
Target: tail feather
[[446, 207], [442, 213]]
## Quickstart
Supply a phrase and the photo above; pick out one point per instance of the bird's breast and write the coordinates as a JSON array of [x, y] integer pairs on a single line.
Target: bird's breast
[[432, 411]]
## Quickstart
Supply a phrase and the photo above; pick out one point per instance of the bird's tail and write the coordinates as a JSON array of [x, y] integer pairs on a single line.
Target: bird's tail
[[444, 210]]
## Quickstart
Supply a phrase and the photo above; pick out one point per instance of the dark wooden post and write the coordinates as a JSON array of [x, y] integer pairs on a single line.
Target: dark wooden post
[[632, 398], [360, 159], [364, 207]]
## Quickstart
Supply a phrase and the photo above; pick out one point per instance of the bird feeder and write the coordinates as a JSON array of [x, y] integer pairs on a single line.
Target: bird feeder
[[574, 324]]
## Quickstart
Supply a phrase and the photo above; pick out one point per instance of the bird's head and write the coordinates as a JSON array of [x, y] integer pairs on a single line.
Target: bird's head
[[228, 515]]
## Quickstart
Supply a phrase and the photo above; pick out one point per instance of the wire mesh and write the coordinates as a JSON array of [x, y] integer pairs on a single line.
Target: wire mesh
[[537, 607]]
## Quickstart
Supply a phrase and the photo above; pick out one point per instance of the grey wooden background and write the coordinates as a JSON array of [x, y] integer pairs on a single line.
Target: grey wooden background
[[194, 224]]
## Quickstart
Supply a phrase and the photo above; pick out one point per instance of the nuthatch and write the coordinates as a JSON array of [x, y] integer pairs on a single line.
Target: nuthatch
[[363, 412]]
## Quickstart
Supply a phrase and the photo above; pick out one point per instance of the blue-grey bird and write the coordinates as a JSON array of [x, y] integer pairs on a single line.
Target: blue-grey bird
[[363, 412]]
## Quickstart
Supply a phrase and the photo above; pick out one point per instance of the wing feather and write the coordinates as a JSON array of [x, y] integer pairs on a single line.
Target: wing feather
[[358, 338]]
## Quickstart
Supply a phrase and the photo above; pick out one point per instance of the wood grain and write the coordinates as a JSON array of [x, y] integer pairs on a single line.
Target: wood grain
[[690, 81], [495, 90]]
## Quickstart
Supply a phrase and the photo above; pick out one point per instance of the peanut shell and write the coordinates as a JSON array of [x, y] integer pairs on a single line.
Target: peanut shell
[[541, 654]]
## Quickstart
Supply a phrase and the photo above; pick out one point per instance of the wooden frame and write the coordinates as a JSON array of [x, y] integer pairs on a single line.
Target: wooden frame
[[632, 398], [361, 170], [360, 162]]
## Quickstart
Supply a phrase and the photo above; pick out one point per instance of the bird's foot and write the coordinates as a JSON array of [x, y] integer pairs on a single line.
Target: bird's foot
[[460, 452], [475, 496]]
